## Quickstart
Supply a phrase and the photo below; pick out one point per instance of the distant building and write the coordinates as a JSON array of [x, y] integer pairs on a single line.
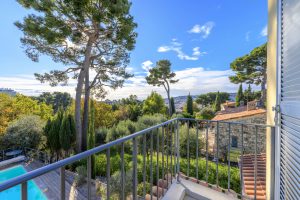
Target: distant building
[[8, 91]]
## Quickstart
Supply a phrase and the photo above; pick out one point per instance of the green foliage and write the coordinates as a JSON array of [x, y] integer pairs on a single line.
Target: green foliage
[[205, 113], [56, 100], [11, 108], [154, 104], [27, 131], [173, 109], [189, 136], [189, 105], [116, 186], [240, 96], [161, 75], [223, 169], [91, 131], [217, 104], [81, 175], [140, 188], [100, 136], [251, 68], [209, 98]]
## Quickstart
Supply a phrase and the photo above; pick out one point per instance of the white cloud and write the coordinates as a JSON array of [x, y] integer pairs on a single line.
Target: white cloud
[[195, 80], [247, 36], [264, 31], [177, 47], [147, 65], [205, 29]]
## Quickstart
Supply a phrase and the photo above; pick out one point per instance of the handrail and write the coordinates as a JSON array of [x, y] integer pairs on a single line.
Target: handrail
[[43, 170]]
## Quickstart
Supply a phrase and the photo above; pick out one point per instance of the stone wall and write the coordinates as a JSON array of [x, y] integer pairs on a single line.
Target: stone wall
[[249, 135]]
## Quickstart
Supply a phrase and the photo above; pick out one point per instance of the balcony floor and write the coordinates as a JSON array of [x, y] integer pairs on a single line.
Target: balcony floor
[[188, 190]]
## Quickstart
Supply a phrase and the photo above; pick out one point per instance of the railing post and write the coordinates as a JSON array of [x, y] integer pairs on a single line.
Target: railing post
[[123, 172], [229, 137], [206, 148], [144, 165], [242, 160], [134, 172], [108, 173], [89, 173], [178, 152], [272, 170], [217, 162], [62, 184], [24, 194], [188, 147], [197, 149], [151, 160], [255, 164]]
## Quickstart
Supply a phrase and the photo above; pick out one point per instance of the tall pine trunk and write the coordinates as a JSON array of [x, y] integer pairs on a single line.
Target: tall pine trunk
[[86, 65], [263, 90], [85, 111]]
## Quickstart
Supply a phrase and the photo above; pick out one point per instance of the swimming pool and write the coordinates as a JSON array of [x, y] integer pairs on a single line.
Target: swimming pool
[[34, 193]]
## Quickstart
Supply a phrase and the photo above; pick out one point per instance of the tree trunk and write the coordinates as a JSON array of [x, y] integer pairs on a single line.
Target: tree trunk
[[85, 111], [86, 65], [78, 110], [170, 106]]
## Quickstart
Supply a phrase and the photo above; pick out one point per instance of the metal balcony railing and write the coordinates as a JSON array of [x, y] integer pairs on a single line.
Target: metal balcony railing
[[172, 145]]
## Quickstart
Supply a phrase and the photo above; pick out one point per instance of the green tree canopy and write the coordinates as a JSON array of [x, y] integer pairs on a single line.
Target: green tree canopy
[[251, 69], [208, 99], [161, 75], [56, 100], [154, 104]]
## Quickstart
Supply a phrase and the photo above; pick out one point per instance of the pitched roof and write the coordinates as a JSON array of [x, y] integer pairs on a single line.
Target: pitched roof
[[237, 112]]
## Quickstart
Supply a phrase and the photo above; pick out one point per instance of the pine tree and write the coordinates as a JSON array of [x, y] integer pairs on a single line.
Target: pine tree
[[240, 96], [173, 109], [189, 105], [217, 104]]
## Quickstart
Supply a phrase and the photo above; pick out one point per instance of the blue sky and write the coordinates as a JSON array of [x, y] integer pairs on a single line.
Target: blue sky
[[199, 37]]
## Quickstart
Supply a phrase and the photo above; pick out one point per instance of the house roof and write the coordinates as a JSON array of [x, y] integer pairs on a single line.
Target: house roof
[[249, 174], [237, 112]]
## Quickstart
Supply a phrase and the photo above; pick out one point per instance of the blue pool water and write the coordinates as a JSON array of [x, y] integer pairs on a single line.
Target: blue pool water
[[14, 193]]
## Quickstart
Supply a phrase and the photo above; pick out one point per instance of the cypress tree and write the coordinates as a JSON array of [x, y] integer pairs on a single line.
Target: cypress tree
[[91, 134], [173, 109], [217, 104], [54, 133], [65, 134], [240, 96], [189, 105]]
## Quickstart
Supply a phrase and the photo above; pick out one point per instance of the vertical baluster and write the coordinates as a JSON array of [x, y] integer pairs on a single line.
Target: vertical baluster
[[217, 162], [24, 195], [188, 147], [229, 137], [170, 145], [89, 176], [177, 151], [122, 172], [255, 164], [134, 171], [242, 158], [197, 149], [108, 173], [144, 165], [168, 149], [157, 160], [162, 152], [62, 183], [151, 160], [206, 152]]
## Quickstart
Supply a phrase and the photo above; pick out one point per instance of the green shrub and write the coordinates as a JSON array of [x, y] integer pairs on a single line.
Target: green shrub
[[205, 113], [140, 188], [27, 131], [100, 136], [81, 175]]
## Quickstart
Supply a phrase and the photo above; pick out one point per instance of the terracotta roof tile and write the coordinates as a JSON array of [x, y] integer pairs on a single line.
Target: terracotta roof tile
[[237, 113]]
